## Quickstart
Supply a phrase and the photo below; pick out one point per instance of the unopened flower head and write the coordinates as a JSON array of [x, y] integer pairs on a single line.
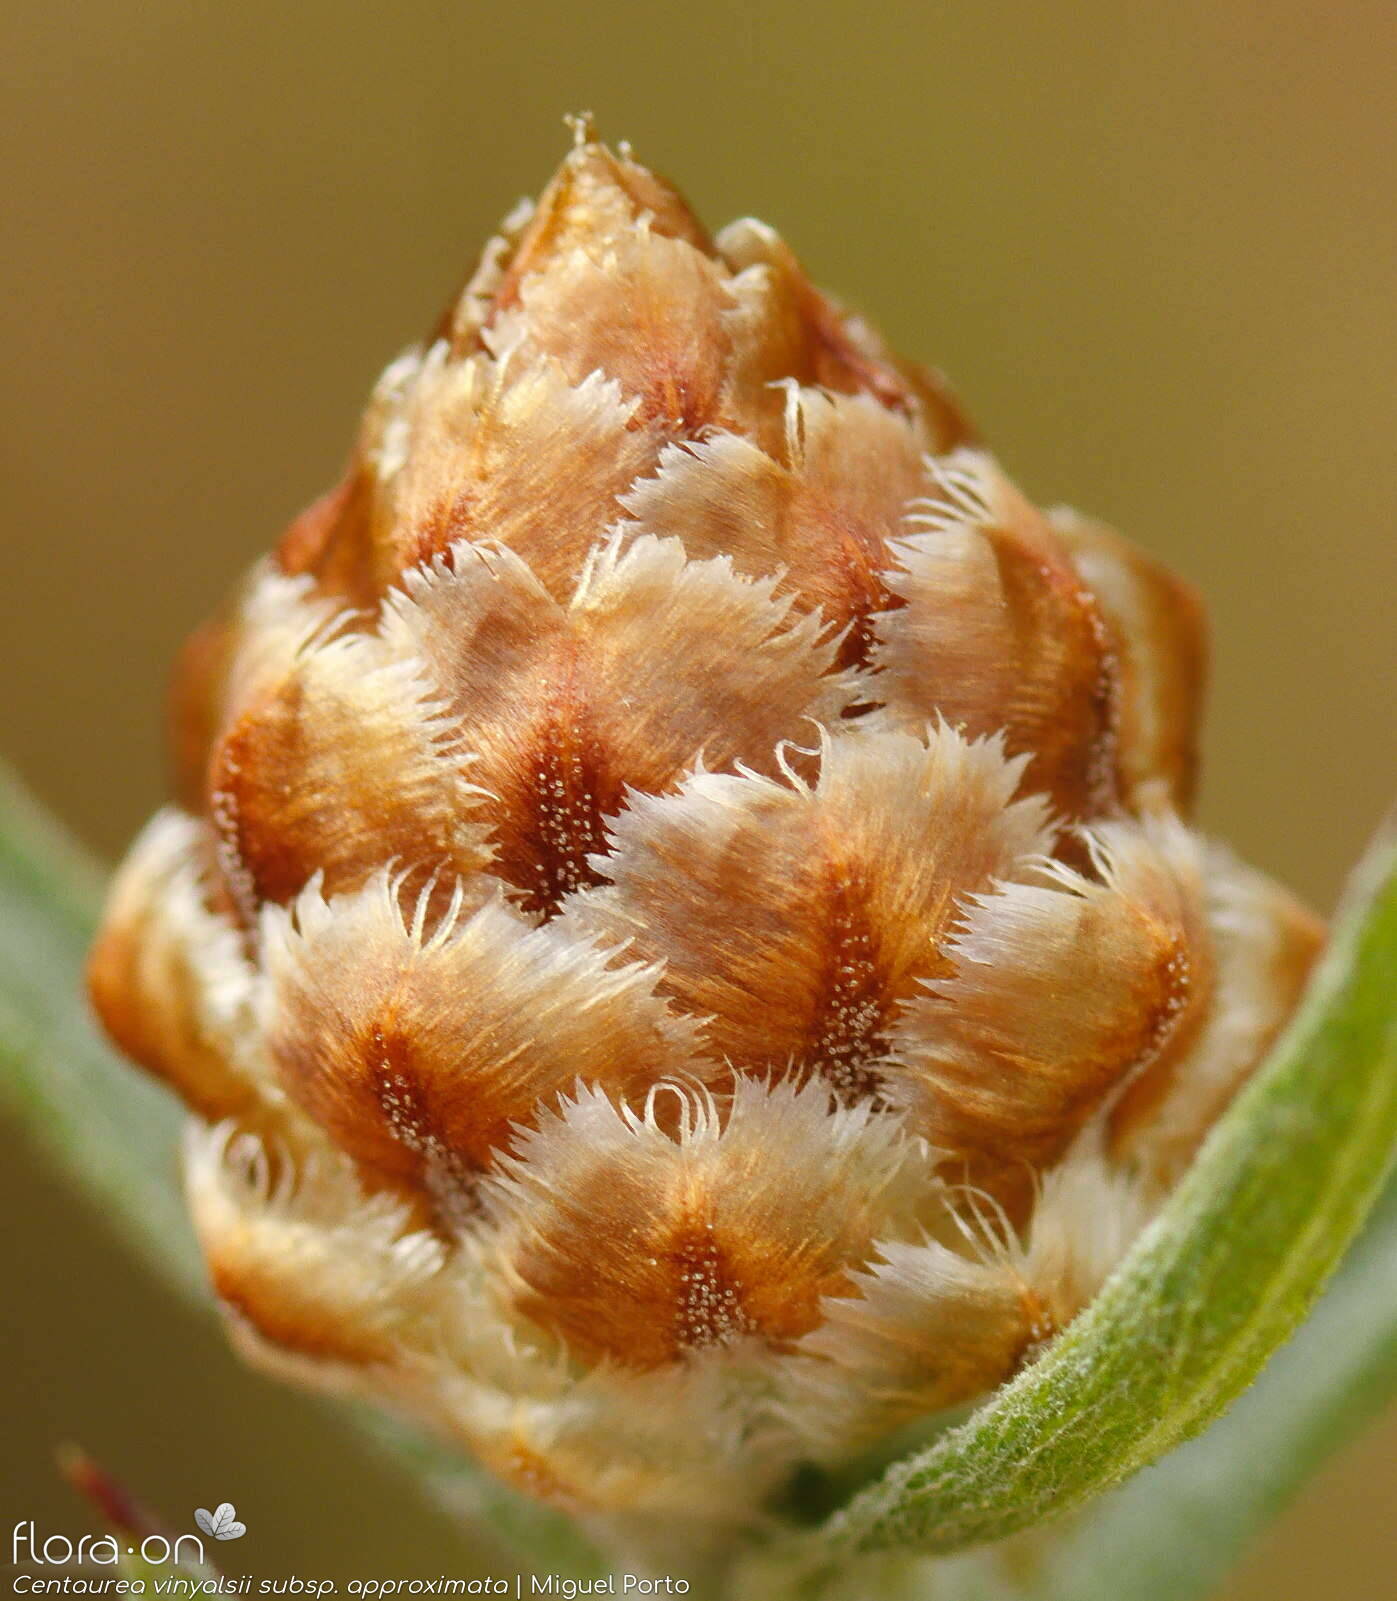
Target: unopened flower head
[[679, 928]]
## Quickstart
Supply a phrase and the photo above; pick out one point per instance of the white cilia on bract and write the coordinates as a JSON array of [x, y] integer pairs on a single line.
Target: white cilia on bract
[[679, 927]]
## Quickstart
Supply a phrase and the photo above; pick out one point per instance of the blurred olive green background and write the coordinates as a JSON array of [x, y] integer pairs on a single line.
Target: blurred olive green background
[[1154, 247]]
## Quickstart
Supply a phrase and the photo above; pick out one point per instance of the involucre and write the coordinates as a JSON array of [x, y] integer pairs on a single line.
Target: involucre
[[679, 927]]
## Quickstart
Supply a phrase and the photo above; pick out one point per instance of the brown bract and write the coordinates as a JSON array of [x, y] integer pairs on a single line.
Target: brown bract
[[1064, 992], [797, 918], [679, 927], [639, 1246], [416, 1048], [1001, 633]]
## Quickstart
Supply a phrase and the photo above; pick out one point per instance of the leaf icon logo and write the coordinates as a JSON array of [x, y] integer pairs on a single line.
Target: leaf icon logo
[[222, 1523]]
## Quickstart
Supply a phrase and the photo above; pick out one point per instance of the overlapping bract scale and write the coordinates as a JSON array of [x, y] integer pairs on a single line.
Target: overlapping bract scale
[[1062, 990], [799, 918], [655, 663], [679, 926]]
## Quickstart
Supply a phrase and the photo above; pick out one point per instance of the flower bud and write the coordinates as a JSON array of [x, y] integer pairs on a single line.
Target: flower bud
[[680, 931]]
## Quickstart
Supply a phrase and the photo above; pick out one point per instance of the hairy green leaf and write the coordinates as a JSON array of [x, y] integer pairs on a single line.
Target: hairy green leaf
[[1178, 1527]]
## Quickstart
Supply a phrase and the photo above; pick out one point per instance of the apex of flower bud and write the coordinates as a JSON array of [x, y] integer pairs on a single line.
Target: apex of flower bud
[[680, 929]]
